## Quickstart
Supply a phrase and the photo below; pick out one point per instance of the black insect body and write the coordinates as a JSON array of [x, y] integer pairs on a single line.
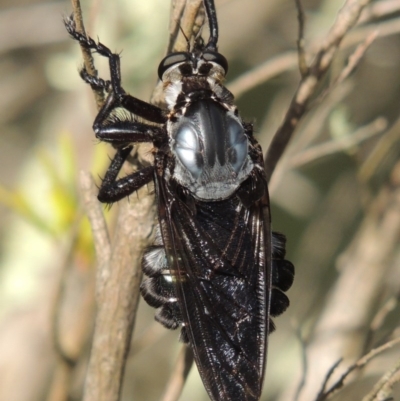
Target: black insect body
[[215, 270]]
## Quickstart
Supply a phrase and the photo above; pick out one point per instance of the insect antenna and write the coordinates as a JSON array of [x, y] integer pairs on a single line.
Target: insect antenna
[[186, 38]]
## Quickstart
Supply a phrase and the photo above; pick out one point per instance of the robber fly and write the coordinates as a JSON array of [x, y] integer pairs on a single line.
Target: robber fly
[[215, 270]]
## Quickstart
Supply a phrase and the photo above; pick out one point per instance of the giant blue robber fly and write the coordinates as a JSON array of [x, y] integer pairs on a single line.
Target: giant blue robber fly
[[216, 271]]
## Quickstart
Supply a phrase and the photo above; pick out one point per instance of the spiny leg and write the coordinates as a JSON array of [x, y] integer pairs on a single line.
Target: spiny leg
[[130, 103], [95, 82], [113, 190], [121, 132], [213, 23]]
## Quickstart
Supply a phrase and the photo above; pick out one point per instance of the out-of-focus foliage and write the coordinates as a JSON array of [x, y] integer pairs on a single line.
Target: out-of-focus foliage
[[321, 205]]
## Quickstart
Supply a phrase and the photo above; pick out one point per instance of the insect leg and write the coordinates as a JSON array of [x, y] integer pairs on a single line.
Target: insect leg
[[119, 132], [130, 103], [213, 23], [113, 190], [95, 82]]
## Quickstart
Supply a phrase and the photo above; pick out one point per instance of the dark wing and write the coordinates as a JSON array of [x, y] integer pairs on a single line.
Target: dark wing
[[219, 254]]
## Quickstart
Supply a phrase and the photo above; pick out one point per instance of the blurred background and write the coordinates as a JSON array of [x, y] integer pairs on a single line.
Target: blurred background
[[335, 194]]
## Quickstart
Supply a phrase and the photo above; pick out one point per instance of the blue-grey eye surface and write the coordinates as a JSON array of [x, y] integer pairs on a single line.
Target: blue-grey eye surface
[[187, 149], [238, 145]]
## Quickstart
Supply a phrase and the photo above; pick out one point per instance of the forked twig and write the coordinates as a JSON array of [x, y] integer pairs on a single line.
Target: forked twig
[[346, 19], [325, 394]]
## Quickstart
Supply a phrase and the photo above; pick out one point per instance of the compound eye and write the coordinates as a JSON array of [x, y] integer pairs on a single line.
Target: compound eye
[[217, 58], [238, 145], [170, 60]]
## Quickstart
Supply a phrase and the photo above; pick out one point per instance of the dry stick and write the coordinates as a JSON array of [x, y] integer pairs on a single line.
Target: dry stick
[[101, 238], [304, 363], [346, 19], [86, 53], [117, 296], [379, 319], [117, 286], [62, 353], [328, 375], [381, 9], [338, 332], [119, 300], [179, 374], [183, 19], [289, 60], [358, 365], [60, 382], [117, 289], [262, 73], [316, 152], [353, 62], [303, 68], [383, 389]]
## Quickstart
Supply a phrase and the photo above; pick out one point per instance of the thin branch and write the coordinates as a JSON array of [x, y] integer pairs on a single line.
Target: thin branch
[[101, 238], [88, 61], [262, 73], [346, 19], [303, 68], [117, 288], [288, 61], [118, 300], [346, 142], [353, 62], [62, 353], [179, 374], [358, 365], [328, 375], [380, 316], [383, 390], [304, 363]]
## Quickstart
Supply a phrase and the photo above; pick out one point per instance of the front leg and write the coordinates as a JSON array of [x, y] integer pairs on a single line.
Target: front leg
[[130, 103], [119, 132], [113, 190]]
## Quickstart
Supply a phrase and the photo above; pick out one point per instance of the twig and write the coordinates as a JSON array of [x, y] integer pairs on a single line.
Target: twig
[[183, 19], [382, 313], [329, 374], [119, 300], [303, 68], [67, 359], [304, 363], [63, 354], [88, 61], [101, 239], [383, 389], [117, 288], [118, 279], [353, 62], [346, 142], [339, 329], [179, 374], [358, 365], [262, 73], [346, 19]]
